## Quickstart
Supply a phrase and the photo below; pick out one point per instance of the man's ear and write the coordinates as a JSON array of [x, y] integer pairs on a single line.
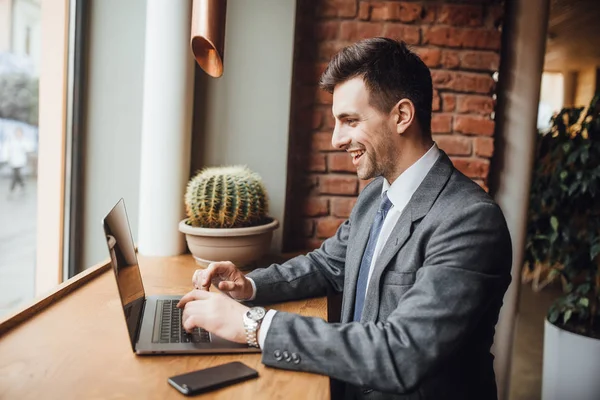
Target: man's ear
[[404, 114]]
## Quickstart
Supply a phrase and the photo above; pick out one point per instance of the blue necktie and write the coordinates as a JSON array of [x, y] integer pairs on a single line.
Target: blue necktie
[[365, 264]]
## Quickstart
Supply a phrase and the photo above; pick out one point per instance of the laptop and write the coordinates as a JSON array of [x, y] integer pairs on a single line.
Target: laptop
[[154, 322]]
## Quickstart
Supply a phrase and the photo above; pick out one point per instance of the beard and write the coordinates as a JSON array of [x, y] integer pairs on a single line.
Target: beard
[[374, 164], [368, 167]]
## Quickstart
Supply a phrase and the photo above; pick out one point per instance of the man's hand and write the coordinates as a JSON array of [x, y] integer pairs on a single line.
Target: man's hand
[[226, 277], [214, 312]]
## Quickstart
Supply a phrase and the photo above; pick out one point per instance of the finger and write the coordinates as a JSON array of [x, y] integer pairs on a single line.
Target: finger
[[190, 323], [226, 286], [193, 295], [196, 278], [216, 269]]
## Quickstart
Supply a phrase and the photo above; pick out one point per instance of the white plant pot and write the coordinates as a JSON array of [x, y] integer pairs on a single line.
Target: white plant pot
[[571, 368], [241, 246]]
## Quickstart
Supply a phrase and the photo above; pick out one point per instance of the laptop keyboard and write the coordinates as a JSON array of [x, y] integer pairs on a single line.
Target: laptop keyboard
[[171, 329]]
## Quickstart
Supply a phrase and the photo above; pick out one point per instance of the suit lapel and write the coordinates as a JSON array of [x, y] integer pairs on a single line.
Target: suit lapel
[[354, 255], [418, 206]]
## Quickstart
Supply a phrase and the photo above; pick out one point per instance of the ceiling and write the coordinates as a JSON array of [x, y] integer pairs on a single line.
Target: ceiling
[[573, 35]]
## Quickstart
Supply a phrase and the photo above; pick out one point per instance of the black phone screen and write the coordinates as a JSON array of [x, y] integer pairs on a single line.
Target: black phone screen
[[212, 378]]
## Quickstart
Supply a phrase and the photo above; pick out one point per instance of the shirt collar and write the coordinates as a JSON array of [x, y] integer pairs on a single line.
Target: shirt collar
[[407, 183]]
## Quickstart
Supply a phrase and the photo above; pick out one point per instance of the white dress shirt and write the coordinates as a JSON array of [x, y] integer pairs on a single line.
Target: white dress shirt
[[399, 194]]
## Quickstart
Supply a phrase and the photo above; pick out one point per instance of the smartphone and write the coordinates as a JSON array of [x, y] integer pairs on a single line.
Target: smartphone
[[204, 380]]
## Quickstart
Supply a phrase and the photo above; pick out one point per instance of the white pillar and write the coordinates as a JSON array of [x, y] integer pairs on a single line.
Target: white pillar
[[166, 126], [523, 52]]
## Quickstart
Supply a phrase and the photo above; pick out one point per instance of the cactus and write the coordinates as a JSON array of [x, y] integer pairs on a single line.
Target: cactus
[[226, 197]]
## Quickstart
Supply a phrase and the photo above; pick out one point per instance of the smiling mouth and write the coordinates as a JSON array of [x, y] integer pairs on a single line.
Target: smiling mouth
[[356, 155]]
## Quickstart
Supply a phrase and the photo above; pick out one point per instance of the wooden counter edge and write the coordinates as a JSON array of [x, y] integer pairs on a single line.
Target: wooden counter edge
[[40, 303]]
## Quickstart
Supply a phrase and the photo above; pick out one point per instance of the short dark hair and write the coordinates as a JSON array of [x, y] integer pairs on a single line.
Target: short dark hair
[[390, 71]]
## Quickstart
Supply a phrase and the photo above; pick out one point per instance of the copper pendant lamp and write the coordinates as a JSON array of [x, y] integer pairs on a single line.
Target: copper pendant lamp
[[208, 35]]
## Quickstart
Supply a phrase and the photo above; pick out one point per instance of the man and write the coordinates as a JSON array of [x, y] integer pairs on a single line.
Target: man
[[423, 261], [17, 159]]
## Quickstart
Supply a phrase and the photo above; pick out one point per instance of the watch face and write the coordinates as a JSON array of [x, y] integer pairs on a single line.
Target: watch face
[[256, 313]]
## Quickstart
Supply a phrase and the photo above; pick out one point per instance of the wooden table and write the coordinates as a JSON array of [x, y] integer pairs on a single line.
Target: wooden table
[[73, 344]]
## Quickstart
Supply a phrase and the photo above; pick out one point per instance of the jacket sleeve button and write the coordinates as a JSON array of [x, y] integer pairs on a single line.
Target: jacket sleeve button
[[286, 356], [277, 355], [295, 358]]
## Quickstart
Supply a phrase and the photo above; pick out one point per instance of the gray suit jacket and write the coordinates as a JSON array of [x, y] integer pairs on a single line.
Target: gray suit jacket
[[432, 302]]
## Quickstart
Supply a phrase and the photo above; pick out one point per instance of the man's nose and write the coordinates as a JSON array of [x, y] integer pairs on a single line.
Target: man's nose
[[339, 139]]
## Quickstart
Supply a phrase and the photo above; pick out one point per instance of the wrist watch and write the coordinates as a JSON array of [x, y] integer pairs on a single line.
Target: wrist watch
[[252, 319]]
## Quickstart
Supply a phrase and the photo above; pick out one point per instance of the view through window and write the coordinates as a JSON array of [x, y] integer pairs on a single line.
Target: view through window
[[20, 54]]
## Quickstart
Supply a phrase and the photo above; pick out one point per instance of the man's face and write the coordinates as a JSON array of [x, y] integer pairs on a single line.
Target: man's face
[[363, 131]]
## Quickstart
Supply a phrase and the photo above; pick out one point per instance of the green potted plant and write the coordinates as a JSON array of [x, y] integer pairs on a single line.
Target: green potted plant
[[564, 235], [227, 217]]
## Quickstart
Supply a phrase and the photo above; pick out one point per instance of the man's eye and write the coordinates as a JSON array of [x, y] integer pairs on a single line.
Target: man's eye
[[351, 121]]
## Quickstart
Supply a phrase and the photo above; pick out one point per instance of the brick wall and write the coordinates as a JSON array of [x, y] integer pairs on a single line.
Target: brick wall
[[459, 41]]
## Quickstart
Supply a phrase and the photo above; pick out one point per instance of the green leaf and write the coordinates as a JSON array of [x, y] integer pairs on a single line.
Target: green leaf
[[567, 316], [563, 175], [553, 317], [584, 301], [554, 223]]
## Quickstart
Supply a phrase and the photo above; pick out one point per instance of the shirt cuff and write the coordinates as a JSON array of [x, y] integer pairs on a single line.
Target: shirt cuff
[[264, 327], [253, 290]]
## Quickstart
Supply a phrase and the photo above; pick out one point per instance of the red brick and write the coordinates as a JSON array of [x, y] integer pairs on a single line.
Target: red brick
[[441, 123], [340, 162], [321, 141], [327, 50], [338, 184], [411, 34], [429, 12], [363, 183], [315, 207], [435, 105], [485, 39], [310, 73], [316, 120], [472, 167], [342, 206], [480, 60], [308, 228], [454, 145], [430, 56], [460, 15], [327, 30], [396, 11], [327, 227], [495, 14], [450, 59], [471, 125], [479, 83], [483, 105], [441, 79], [337, 8], [324, 97], [308, 183], [440, 35], [317, 163], [484, 146], [364, 11], [354, 31], [328, 120], [462, 81], [448, 102]]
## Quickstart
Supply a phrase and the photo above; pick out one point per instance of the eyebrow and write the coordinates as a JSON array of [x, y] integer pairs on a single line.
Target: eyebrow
[[347, 114]]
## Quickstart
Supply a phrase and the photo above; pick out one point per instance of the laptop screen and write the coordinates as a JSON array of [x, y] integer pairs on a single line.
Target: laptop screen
[[125, 265]]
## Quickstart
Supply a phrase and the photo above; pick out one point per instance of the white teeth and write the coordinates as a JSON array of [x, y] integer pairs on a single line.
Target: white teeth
[[357, 153]]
